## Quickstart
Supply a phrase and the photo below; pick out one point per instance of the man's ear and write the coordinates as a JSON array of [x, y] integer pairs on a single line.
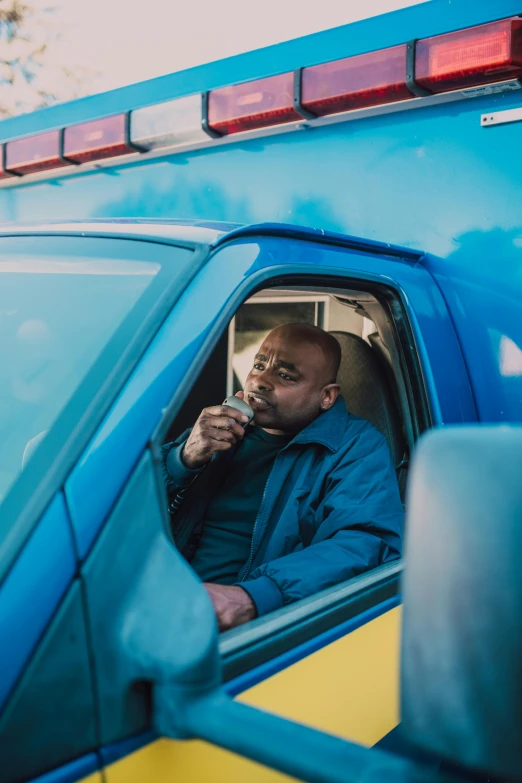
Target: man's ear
[[329, 395]]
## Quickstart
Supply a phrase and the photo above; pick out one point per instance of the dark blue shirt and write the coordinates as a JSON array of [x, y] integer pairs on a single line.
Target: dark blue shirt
[[225, 543]]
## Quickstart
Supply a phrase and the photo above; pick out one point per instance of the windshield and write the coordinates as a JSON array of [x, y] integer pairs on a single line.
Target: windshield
[[61, 301]]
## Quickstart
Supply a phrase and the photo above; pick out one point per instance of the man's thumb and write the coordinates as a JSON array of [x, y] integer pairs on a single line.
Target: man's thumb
[[240, 394]]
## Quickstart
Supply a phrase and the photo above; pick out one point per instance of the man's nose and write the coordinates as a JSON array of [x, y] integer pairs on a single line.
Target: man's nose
[[263, 381]]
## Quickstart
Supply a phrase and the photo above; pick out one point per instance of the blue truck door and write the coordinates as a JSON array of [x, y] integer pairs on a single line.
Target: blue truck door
[[47, 708], [302, 682]]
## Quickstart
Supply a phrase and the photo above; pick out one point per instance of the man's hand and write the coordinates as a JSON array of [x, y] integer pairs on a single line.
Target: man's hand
[[217, 429], [232, 605]]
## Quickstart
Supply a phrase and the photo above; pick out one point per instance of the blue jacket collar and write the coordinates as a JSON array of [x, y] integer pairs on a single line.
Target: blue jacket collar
[[328, 429]]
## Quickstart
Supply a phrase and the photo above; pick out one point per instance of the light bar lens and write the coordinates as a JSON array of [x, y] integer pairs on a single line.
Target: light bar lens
[[167, 124], [483, 54], [36, 153], [253, 105], [356, 82], [98, 139]]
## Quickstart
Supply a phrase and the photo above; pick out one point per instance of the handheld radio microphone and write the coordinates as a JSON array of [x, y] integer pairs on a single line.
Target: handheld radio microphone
[[241, 406]]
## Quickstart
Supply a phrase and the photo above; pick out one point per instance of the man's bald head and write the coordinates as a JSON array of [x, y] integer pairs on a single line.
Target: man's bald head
[[314, 335], [293, 379]]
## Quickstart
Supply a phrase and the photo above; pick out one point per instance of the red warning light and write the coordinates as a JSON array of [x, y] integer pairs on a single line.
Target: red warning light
[[479, 55], [356, 82], [98, 139], [36, 153], [252, 105]]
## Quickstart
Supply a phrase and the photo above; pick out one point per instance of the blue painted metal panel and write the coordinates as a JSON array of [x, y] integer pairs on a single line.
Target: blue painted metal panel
[[32, 590], [482, 284], [72, 772], [430, 18], [207, 304]]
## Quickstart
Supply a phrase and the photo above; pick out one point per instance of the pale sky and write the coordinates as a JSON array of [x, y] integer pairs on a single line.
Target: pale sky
[[126, 41]]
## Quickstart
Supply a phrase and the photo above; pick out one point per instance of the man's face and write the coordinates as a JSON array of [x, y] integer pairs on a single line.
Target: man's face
[[285, 387]]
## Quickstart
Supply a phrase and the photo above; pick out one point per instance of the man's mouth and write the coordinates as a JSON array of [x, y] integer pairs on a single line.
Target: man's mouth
[[257, 402]]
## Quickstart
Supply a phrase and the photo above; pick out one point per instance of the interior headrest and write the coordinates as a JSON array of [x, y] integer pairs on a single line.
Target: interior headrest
[[364, 386]]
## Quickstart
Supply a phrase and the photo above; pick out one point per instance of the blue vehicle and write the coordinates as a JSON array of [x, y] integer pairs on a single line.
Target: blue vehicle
[[363, 179]]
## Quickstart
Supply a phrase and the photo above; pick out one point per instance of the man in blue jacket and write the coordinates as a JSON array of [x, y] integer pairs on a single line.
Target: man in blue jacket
[[303, 498]]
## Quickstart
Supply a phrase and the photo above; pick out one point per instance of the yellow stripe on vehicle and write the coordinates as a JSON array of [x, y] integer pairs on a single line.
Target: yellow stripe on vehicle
[[349, 688]]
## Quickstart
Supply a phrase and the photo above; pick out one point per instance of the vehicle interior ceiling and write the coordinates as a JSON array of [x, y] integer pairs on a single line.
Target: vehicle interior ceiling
[[371, 375]]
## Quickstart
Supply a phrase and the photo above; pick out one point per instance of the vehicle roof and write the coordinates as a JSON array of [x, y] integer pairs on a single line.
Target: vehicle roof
[[200, 232], [195, 232]]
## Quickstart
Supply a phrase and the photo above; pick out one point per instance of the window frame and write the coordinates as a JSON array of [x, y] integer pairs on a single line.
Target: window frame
[[345, 601]]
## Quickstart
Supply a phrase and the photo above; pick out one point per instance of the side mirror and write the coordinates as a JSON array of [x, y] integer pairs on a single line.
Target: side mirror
[[462, 589], [462, 635]]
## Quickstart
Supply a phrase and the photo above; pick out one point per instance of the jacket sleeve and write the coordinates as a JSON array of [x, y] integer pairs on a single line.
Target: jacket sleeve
[[359, 526], [177, 476]]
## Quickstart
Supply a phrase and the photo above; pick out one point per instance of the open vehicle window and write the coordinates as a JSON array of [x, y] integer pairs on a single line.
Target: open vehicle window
[[62, 299], [372, 382]]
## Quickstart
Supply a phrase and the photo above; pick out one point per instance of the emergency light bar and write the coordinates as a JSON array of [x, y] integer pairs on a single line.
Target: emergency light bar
[[98, 139], [36, 153], [488, 54]]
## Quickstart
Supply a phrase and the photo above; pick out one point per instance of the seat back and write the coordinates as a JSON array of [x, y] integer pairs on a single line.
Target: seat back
[[366, 390]]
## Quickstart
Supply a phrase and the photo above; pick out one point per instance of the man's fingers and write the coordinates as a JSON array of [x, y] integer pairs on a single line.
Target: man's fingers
[[217, 429], [215, 433], [232, 605], [225, 411], [225, 423]]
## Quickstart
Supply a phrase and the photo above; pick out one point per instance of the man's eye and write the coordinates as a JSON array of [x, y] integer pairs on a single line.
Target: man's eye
[[285, 377], [258, 366]]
